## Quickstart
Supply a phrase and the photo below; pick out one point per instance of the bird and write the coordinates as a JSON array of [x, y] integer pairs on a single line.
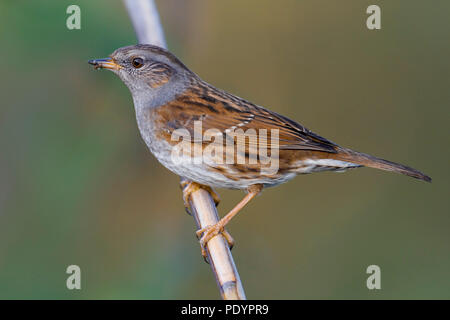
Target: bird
[[177, 112]]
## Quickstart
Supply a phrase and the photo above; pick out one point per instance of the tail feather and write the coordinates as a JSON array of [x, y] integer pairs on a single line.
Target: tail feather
[[377, 163]]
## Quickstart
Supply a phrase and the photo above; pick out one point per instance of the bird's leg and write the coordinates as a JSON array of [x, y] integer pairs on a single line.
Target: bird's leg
[[209, 232], [189, 187]]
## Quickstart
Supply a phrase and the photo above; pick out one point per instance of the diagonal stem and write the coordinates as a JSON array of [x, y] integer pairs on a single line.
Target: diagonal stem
[[218, 252], [145, 19]]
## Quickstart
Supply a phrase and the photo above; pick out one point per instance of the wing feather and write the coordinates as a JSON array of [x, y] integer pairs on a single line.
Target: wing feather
[[225, 112]]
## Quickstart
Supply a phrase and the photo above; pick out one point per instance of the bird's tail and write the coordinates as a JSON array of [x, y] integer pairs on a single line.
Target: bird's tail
[[377, 163]]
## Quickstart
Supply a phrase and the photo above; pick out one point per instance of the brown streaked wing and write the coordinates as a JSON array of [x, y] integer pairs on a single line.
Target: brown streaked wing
[[220, 110]]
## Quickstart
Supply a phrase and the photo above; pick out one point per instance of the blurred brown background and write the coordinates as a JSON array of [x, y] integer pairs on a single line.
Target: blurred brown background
[[78, 186]]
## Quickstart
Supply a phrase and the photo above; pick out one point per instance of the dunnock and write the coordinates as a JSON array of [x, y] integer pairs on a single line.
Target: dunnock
[[168, 97]]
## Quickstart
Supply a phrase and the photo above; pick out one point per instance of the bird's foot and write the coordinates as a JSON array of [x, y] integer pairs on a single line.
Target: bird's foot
[[207, 233], [189, 187]]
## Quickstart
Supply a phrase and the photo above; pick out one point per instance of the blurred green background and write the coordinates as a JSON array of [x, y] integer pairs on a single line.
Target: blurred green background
[[78, 185]]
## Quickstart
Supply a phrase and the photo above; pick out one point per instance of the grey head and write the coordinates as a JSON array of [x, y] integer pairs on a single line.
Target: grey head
[[153, 74]]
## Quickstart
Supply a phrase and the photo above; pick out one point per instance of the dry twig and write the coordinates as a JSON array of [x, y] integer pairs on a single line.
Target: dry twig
[[145, 19]]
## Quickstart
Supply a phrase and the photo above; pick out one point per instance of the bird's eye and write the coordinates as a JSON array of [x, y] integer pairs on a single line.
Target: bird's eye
[[137, 62]]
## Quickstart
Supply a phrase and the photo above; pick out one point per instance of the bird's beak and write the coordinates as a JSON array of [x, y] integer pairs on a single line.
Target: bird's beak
[[107, 63]]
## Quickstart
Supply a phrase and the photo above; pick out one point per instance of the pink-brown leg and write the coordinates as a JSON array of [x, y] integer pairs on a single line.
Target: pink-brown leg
[[189, 187], [210, 232]]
